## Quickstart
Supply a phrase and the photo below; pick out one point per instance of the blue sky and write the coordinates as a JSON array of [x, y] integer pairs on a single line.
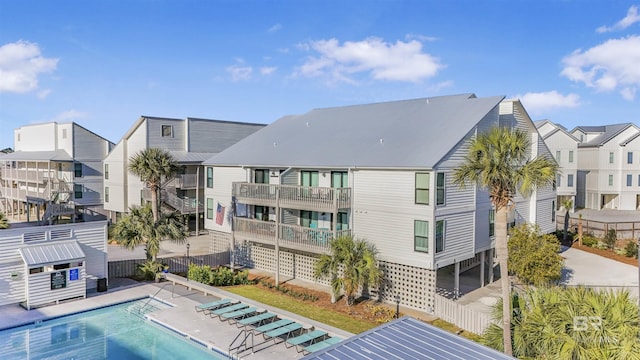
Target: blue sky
[[103, 64]]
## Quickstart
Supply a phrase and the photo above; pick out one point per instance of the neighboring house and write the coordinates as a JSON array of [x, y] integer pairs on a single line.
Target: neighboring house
[[608, 166], [382, 172], [56, 169], [564, 147], [190, 141]]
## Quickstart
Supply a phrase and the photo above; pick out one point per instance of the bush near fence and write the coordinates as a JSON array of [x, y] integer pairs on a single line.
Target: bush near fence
[[177, 264]]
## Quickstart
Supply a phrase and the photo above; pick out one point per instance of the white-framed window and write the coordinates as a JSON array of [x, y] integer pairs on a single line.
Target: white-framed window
[[210, 208], [77, 170], [611, 158], [421, 235], [570, 180], [64, 133], [629, 180], [422, 188], [610, 180], [209, 177], [558, 152], [106, 194], [167, 130], [570, 156], [553, 210], [78, 189], [261, 176], [339, 179], [440, 226], [106, 171], [558, 180], [492, 222], [440, 190], [630, 157]]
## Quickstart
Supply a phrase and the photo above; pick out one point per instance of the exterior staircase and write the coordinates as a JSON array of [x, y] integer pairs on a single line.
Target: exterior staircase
[[58, 201]]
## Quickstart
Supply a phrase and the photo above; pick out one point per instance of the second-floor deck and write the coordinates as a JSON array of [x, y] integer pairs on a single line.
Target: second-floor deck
[[293, 197], [185, 182], [289, 236]]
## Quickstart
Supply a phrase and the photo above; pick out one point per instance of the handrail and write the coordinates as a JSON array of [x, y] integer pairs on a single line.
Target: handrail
[[152, 297], [242, 343]]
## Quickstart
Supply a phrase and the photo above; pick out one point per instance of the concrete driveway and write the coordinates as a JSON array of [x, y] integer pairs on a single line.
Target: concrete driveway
[[198, 245]]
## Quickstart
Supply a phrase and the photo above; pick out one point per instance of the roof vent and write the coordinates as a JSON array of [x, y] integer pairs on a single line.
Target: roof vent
[[307, 124], [275, 144], [381, 140]]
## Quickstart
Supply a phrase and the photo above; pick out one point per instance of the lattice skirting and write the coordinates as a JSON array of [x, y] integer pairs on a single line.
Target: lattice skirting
[[416, 286], [220, 242]]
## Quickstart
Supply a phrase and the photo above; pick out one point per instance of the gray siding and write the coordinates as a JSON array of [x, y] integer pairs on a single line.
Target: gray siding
[[175, 142], [215, 136]]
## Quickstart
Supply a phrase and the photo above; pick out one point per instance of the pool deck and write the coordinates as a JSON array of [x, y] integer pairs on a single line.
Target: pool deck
[[182, 317]]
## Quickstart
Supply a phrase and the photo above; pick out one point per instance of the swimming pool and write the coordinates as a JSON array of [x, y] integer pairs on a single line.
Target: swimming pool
[[114, 332]]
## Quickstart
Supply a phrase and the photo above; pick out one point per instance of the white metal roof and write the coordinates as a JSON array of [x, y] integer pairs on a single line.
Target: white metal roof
[[54, 252], [53, 155]]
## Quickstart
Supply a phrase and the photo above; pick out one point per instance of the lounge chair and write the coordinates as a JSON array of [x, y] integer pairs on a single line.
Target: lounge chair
[[227, 309], [283, 332], [213, 305], [238, 314], [272, 326], [256, 320], [322, 344], [310, 338]]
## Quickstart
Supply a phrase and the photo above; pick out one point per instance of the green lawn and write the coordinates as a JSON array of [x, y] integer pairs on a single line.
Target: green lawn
[[326, 316], [281, 301]]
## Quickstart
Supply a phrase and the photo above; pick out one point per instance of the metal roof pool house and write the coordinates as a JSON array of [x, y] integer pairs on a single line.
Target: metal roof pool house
[[407, 338]]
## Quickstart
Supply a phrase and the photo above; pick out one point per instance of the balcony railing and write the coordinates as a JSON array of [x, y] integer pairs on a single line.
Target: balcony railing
[[290, 236], [185, 181], [293, 197]]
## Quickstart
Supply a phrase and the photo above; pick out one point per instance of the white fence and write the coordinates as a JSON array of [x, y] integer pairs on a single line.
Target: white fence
[[463, 317]]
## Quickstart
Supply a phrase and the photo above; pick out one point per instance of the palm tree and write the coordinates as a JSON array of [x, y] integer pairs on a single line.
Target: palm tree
[[567, 205], [498, 161], [151, 166], [138, 227], [572, 323], [351, 264], [4, 222]]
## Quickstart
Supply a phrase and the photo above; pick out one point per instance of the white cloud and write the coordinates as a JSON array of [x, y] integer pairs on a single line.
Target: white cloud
[[402, 61], [631, 18], [420, 37], [20, 65], [612, 65], [542, 101], [268, 70], [275, 28], [239, 72], [42, 94]]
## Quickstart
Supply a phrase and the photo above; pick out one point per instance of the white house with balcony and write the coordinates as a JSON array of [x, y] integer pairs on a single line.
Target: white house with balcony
[[382, 172], [608, 166], [564, 147], [56, 170], [190, 141]]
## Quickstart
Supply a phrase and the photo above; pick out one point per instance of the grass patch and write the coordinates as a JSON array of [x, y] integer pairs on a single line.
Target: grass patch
[[456, 330], [284, 302]]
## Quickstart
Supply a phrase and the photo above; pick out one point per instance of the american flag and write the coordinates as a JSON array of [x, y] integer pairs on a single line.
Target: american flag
[[220, 214]]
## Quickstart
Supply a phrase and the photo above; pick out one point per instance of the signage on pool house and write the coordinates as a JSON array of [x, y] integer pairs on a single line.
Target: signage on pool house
[[58, 279]]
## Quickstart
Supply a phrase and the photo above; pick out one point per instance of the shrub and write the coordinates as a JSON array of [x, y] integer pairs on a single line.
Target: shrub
[[221, 276], [631, 250], [381, 314], [610, 238], [201, 274], [290, 292], [589, 240], [149, 269], [533, 257]]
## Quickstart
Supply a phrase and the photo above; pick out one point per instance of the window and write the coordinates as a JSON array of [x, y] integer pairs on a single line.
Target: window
[[262, 213], [343, 221], [638, 180], [106, 171], [422, 188], [570, 180], [558, 180], [210, 177], [210, 208], [261, 176], [553, 211], [339, 179], [630, 157], [439, 236], [421, 236], [570, 157], [77, 170], [610, 158], [309, 178], [492, 222], [77, 191], [61, 266], [558, 156], [167, 131], [581, 137], [440, 188], [64, 133], [629, 180], [610, 180], [106, 194], [36, 270]]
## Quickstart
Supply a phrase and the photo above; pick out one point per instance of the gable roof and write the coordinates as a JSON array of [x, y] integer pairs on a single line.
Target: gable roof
[[407, 338], [398, 134], [52, 155], [608, 132]]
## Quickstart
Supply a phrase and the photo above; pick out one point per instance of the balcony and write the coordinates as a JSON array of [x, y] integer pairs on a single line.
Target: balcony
[[184, 182], [323, 199], [291, 236]]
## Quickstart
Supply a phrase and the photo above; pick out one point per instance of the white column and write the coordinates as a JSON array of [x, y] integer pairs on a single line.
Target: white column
[[482, 261], [456, 279]]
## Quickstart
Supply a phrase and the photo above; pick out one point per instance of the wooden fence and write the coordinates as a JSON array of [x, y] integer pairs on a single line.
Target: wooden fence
[[624, 230], [460, 315], [126, 268]]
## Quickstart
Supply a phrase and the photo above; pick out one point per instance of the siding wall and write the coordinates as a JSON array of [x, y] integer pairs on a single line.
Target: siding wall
[[41, 137], [175, 142], [92, 237], [223, 177], [117, 178], [225, 134], [40, 293], [137, 142]]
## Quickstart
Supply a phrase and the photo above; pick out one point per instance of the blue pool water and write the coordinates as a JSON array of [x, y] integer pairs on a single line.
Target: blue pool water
[[114, 332]]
